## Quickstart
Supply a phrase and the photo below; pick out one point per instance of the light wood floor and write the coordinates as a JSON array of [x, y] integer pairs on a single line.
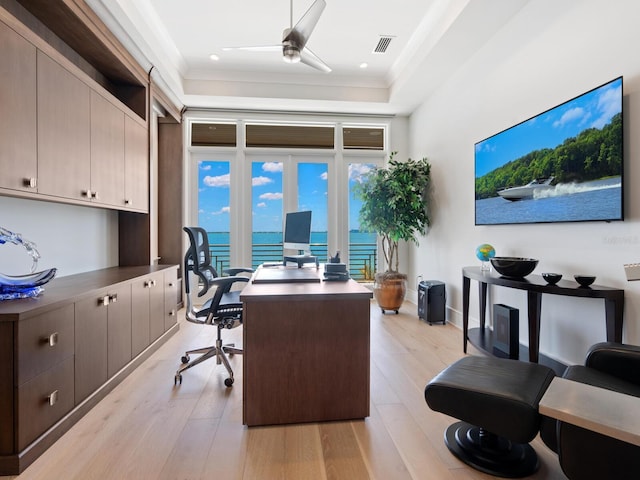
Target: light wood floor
[[148, 429]]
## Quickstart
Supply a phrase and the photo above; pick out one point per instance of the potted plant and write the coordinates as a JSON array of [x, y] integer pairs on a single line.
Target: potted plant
[[394, 205]]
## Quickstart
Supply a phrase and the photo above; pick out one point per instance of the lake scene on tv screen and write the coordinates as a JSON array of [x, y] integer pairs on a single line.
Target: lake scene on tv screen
[[563, 165]]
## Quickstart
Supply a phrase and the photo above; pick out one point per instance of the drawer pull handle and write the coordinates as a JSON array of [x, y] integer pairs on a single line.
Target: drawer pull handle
[[52, 339], [104, 301], [30, 182], [171, 284], [172, 313], [52, 398], [86, 193], [113, 298]]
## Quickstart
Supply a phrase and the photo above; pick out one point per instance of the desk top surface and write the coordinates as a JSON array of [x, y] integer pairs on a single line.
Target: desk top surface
[[604, 411], [299, 289]]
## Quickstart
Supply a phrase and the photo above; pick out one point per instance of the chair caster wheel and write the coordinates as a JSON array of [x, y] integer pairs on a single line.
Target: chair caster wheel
[[228, 382], [177, 380], [185, 359]]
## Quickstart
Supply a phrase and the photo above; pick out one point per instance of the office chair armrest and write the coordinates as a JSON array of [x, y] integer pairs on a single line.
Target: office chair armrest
[[616, 359], [236, 270], [225, 283]]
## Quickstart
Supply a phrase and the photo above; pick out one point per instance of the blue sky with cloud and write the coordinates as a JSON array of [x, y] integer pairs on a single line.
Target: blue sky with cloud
[[593, 109], [266, 195]]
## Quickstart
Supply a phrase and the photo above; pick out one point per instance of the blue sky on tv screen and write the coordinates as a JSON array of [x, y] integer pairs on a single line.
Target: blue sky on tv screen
[[593, 109], [266, 195]]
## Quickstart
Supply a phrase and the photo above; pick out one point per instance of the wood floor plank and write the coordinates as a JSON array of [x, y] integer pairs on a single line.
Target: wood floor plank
[[379, 452], [341, 453], [147, 428]]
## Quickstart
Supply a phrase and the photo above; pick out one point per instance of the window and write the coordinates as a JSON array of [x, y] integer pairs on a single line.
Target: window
[[366, 138], [247, 182], [214, 182], [213, 134], [289, 136], [266, 214], [362, 245], [312, 195]]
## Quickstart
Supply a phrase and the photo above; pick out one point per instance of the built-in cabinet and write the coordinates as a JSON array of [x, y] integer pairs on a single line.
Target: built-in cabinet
[[64, 351], [63, 137], [18, 156]]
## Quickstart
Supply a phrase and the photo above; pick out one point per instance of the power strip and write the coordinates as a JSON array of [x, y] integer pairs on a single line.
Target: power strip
[[632, 270]]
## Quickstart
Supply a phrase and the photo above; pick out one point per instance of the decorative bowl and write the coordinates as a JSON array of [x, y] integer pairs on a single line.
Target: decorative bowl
[[552, 278], [585, 280], [515, 267]]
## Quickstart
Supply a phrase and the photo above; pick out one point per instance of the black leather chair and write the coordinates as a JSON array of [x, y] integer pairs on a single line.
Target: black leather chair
[[497, 400], [223, 309], [584, 454]]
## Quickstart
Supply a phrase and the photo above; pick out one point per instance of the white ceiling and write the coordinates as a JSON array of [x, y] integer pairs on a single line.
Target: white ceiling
[[431, 39]]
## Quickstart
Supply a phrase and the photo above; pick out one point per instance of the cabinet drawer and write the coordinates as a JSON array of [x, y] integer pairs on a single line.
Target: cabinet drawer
[[44, 341], [43, 401]]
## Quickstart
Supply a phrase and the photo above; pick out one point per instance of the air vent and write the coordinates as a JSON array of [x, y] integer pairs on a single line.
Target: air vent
[[383, 44]]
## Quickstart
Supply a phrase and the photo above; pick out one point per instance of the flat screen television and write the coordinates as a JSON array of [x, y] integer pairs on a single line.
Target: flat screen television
[[297, 231], [563, 165]]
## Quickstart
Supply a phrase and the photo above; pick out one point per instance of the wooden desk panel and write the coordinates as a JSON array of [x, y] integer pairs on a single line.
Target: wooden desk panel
[[306, 352]]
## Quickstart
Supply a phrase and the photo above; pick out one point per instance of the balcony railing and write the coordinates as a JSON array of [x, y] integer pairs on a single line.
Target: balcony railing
[[362, 257]]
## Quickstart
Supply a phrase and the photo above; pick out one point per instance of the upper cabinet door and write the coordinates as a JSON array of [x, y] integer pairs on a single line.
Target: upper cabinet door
[[18, 154], [64, 167], [136, 168], [107, 152]]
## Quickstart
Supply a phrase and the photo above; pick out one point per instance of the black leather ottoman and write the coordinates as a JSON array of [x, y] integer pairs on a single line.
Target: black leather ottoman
[[497, 402]]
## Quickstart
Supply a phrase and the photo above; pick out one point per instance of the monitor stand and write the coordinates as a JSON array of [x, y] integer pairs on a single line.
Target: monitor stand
[[300, 260]]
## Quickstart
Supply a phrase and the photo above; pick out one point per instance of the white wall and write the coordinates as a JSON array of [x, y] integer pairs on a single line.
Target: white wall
[[548, 53], [71, 238]]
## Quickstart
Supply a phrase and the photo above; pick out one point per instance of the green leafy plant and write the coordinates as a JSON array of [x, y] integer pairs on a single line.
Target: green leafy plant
[[394, 204]]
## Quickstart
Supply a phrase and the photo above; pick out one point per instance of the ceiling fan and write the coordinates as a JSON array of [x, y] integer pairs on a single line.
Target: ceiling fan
[[294, 39]]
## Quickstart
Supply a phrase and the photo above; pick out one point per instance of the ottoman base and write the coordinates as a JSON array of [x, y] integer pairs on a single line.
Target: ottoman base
[[490, 453]]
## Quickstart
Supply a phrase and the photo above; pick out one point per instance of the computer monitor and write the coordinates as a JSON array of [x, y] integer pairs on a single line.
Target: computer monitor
[[297, 231]]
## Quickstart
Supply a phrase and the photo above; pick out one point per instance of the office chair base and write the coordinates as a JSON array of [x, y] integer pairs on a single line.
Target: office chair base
[[220, 351]]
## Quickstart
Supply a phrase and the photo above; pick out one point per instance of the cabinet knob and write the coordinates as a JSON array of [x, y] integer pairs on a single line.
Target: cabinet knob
[[52, 398], [172, 313], [30, 182], [104, 301], [94, 195], [171, 284], [52, 340], [87, 193], [113, 298], [127, 201]]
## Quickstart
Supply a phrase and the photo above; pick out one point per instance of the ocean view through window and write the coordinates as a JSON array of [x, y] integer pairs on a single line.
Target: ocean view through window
[[244, 192]]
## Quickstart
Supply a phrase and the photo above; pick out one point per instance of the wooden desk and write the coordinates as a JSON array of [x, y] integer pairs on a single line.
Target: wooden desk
[[535, 286], [306, 352], [604, 411]]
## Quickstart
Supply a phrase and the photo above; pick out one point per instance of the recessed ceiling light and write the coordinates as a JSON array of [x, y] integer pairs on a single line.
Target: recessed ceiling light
[[364, 65], [214, 57]]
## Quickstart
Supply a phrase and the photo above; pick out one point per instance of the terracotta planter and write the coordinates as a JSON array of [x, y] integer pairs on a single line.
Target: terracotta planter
[[389, 290]]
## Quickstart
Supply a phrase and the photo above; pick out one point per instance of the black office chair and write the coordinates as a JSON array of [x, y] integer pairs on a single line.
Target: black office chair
[[223, 309]]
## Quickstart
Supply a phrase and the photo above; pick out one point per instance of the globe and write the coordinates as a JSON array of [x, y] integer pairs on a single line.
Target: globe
[[485, 252]]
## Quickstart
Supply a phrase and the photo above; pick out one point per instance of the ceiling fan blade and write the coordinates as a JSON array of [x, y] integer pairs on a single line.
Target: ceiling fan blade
[[309, 58], [256, 48], [301, 32]]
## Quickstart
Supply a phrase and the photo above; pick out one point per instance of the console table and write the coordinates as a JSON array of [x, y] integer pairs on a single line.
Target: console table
[[535, 286]]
